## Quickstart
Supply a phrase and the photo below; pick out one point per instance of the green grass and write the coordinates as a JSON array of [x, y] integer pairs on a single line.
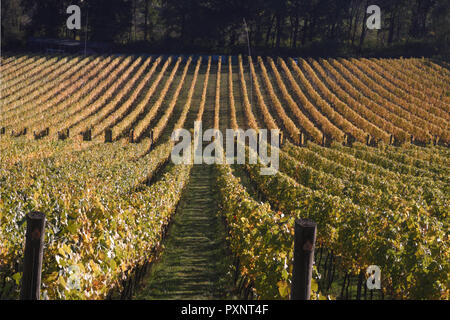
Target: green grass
[[195, 263]]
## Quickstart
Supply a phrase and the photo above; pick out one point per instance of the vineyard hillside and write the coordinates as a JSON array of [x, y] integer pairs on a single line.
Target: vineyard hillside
[[87, 141]]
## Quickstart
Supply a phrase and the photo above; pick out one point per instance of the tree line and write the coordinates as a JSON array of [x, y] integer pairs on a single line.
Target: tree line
[[310, 27]]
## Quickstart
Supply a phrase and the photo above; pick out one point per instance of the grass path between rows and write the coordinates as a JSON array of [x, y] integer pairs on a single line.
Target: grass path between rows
[[195, 263]]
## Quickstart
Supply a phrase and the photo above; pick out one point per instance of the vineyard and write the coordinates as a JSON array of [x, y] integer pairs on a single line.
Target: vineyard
[[86, 140]]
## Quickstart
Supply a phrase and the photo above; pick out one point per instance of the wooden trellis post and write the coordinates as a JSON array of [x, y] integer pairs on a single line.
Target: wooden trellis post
[[131, 138], [87, 135], [302, 139], [151, 140], [62, 135], [108, 135], [34, 248], [304, 245], [391, 139], [348, 140], [436, 140], [368, 140]]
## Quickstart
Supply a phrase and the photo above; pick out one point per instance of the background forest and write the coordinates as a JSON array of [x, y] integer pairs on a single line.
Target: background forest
[[281, 27]]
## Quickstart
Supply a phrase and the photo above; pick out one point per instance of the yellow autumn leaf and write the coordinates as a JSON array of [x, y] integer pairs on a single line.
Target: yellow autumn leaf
[[283, 288]]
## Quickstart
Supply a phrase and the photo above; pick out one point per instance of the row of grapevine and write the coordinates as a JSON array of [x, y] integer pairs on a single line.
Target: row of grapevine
[[251, 121], [290, 126], [182, 118], [59, 102], [423, 190], [233, 119], [408, 85], [422, 68], [371, 111], [339, 105], [319, 103], [20, 74], [268, 120], [426, 154], [122, 227], [159, 127], [144, 124], [325, 125], [24, 61], [28, 85], [359, 182], [403, 118], [407, 100], [380, 160], [201, 108], [81, 99], [217, 96], [352, 232], [126, 95], [440, 67], [393, 112], [420, 75], [126, 123], [8, 65], [360, 194], [253, 231], [41, 86], [104, 106], [17, 150], [52, 89], [399, 157]]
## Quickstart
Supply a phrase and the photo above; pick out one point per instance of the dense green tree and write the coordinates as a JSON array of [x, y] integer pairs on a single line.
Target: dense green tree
[[13, 17], [275, 26]]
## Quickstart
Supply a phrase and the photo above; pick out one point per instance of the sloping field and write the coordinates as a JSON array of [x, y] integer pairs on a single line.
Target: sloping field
[[365, 155]]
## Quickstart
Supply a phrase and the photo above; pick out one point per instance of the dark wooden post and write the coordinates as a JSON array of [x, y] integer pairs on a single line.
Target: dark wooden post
[[304, 245], [131, 136], [34, 245], [87, 135], [411, 139], [324, 140], [391, 139], [62, 135], [302, 139], [24, 132], [368, 140], [151, 139], [351, 140], [108, 135], [3, 130], [436, 140]]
